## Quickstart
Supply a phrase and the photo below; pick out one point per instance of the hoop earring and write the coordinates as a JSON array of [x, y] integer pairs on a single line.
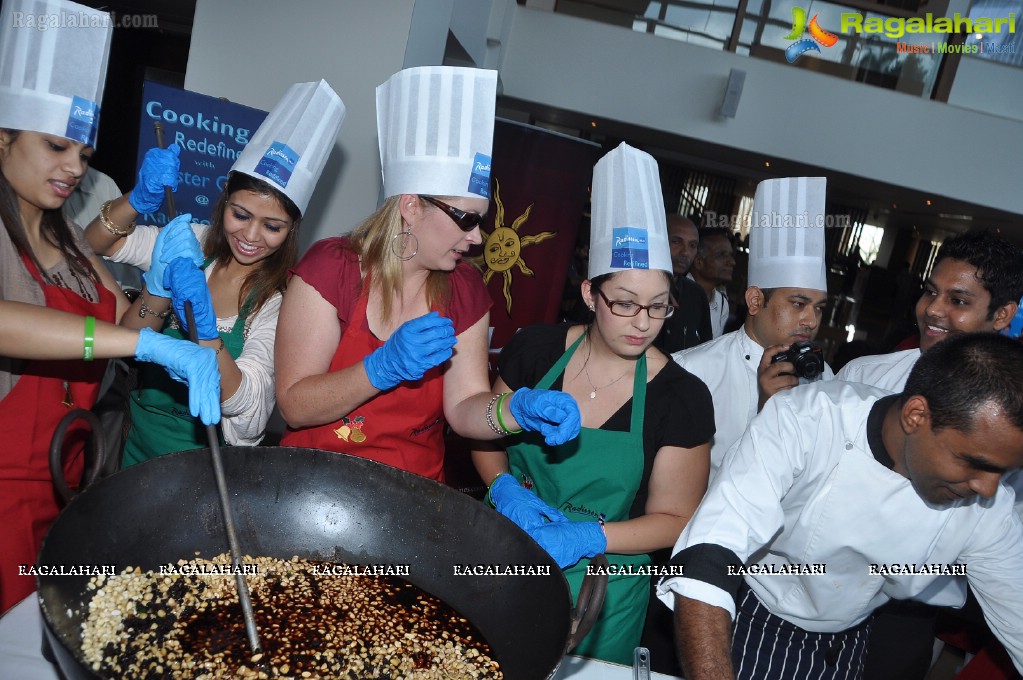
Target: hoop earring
[[405, 236]]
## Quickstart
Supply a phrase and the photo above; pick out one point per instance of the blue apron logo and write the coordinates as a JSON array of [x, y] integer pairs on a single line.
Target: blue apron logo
[[278, 163], [629, 248], [479, 180], [83, 121]]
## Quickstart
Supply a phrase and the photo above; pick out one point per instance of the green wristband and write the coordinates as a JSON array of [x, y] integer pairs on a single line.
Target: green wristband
[[89, 338], [500, 420], [487, 499]]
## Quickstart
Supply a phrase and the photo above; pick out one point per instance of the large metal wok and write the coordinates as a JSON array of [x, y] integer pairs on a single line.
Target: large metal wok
[[317, 505]]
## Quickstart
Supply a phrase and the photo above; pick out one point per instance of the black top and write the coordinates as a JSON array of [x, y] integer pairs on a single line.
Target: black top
[[690, 324], [679, 409]]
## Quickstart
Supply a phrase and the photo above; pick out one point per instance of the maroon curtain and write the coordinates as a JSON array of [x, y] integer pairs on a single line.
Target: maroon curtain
[[540, 188]]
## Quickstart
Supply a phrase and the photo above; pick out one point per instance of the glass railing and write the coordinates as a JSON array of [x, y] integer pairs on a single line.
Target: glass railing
[[771, 29]]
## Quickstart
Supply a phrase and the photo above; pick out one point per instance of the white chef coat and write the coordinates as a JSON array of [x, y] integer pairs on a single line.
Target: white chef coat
[[887, 371], [728, 366], [803, 487]]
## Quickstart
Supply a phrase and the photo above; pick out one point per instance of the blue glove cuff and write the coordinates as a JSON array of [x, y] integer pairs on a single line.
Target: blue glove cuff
[[373, 372]]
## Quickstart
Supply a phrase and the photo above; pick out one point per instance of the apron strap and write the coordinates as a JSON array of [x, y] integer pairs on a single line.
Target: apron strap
[[559, 367], [639, 395], [638, 383]]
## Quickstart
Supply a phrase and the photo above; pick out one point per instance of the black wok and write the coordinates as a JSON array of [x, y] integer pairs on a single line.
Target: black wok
[[317, 505]]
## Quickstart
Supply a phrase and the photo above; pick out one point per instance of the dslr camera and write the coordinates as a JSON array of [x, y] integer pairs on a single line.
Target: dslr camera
[[807, 357]]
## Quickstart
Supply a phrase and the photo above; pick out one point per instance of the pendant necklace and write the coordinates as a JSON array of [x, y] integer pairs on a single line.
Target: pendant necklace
[[594, 388]]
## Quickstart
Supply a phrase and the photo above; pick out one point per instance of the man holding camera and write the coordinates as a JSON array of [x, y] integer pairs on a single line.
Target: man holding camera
[[786, 297]]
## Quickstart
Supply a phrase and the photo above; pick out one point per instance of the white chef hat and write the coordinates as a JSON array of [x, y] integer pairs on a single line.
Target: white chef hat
[[53, 65], [628, 229], [291, 147], [786, 239], [436, 129]]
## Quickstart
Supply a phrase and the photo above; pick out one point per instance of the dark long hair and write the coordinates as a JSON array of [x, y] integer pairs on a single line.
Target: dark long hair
[[271, 275], [54, 228]]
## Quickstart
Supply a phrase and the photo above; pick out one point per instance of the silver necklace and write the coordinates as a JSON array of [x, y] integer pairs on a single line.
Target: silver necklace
[[586, 371]]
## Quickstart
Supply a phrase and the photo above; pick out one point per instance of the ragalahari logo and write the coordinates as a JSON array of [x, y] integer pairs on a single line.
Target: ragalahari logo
[[803, 45]]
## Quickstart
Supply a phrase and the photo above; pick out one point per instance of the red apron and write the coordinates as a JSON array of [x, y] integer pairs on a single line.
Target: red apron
[[403, 427], [28, 417]]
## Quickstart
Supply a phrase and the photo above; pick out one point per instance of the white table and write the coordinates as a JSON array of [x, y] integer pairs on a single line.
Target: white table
[[21, 635]]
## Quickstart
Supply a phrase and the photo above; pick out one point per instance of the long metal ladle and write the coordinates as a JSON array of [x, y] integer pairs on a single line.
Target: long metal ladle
[[218, 463]]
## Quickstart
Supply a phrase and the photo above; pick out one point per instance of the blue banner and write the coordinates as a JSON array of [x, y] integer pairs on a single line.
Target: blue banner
[[211, 133]]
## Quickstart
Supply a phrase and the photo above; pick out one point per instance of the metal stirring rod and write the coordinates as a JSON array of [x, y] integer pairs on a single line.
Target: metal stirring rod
[[218, 463]]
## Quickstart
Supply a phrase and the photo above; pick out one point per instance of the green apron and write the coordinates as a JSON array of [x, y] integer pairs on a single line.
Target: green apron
[[160, 420], [598, 473]]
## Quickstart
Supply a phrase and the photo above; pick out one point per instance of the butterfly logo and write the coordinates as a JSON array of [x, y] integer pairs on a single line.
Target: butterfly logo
[[803, 45]]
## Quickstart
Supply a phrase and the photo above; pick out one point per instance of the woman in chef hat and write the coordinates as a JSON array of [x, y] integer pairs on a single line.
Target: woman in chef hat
[[383, 334], [58, 303], [629, 483], [247, 250]]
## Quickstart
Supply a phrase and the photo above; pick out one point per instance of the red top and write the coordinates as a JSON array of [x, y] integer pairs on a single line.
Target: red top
[[404, 426], [332, 268]]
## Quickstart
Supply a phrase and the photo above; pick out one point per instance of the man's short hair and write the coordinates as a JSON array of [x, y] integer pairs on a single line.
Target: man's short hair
[[999, 264], [714, 232], [968, 372]]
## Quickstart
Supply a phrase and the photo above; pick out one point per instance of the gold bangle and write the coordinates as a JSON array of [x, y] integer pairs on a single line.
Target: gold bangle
[[104, 217]]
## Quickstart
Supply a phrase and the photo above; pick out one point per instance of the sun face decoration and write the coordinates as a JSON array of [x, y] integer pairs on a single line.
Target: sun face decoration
[[502, 249]]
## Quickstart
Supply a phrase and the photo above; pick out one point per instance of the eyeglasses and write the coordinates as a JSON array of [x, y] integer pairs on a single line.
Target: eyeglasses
[[466, 221], [658, 310]]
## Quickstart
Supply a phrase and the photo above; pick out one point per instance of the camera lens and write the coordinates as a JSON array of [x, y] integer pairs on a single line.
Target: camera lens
[[810, 367]]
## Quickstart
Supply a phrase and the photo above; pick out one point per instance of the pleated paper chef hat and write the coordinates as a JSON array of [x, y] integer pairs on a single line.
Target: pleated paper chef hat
[[291, 147], [787, 234], [628, 229], [436, 129], [53, 65]]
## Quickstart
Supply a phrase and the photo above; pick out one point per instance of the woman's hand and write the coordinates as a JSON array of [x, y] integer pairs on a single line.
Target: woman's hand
[[175, 240], [187, 283], [159, 169], [521, 505], [187, 363], [568, 542], [554, 414], [412, 350]]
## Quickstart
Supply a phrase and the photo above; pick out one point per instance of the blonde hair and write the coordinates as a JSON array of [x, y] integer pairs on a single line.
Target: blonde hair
[[372, 240]]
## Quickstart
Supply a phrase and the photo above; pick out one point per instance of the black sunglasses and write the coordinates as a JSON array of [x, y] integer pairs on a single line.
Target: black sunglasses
[[466, 221]]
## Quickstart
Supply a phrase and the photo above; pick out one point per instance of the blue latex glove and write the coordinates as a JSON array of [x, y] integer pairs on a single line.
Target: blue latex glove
[[521, 505], [553, 414], [175, 240], [569, 542], [412, 350], [159, 169], [188, 363], [186, 282]]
